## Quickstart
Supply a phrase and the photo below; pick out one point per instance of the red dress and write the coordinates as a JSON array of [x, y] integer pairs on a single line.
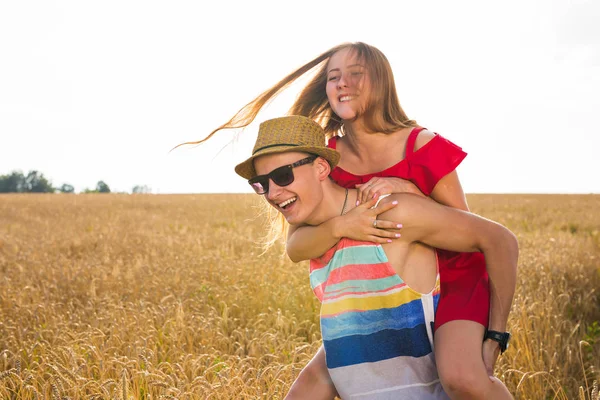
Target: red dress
[[464, 285]]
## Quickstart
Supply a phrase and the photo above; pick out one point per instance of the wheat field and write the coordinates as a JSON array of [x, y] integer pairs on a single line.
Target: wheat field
[[168, 296]]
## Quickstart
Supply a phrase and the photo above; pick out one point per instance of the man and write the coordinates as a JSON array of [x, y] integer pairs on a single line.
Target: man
[[377, 301]]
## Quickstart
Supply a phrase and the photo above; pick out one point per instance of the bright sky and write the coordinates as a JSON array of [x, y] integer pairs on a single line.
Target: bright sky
[[103, 90]]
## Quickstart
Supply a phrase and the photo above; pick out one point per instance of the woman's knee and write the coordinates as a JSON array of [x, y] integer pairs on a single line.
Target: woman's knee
[[465, 384], [459, 360]]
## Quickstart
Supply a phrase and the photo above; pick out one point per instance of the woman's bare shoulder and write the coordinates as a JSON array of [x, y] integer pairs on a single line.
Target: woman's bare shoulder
[[425, 136]]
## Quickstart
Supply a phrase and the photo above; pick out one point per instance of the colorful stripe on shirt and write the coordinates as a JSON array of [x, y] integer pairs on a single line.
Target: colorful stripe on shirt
[[371, 321]]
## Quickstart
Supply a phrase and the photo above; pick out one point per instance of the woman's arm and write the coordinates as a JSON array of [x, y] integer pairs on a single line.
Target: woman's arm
[[306, 242], [448, 191]]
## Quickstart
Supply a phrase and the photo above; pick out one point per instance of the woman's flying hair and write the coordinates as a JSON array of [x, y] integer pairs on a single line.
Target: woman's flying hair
[[383, 112]]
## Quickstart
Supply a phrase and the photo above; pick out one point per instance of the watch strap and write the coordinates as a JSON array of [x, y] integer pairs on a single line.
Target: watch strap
[[501, 337]]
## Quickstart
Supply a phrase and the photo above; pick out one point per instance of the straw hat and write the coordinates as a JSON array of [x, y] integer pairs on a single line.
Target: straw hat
[[293, 133]]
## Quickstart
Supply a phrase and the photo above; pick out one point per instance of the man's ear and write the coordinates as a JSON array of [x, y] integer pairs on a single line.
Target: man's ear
[[323, 168]]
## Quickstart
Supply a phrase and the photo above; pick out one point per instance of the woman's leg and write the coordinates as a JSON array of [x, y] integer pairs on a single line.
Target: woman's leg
[[460, 363], [313, 382]]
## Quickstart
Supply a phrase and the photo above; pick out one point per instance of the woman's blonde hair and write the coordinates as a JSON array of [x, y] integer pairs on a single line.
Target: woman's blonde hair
[[382, 113]]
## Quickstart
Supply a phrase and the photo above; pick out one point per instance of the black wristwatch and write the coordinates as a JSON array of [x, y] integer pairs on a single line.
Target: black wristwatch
[[501, 337]]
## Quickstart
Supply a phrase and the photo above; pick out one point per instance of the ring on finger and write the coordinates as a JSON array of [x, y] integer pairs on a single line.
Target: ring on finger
[[374, 223]]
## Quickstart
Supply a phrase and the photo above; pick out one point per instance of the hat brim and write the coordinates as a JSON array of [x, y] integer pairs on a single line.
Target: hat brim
[[246, 169]]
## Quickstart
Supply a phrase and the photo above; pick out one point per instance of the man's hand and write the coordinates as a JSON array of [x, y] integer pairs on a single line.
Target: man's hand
[[491, 351]]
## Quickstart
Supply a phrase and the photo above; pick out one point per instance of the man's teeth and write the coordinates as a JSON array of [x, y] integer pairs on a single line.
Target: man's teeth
[[347, 98], [289, 201]]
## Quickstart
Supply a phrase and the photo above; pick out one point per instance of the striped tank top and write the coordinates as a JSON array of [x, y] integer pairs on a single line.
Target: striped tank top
[[377, 331]]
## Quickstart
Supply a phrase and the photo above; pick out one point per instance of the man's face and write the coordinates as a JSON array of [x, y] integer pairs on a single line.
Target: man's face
[[298, 200]]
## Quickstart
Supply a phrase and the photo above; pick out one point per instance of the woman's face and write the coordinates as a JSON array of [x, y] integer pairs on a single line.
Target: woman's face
[[348, 84]]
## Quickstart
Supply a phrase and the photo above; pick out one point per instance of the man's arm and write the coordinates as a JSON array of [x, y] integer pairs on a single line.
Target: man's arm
[[306, 242], [446, 228]]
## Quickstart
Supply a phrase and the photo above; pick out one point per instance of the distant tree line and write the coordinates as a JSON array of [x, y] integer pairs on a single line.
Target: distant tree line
[[33, 182], [36, 182]]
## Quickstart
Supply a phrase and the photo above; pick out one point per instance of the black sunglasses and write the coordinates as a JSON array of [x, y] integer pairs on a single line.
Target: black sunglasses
[[282, 176]]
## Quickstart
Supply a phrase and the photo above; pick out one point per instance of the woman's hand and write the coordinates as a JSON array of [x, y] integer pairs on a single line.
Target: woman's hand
[[361, 223], [379, 186]]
